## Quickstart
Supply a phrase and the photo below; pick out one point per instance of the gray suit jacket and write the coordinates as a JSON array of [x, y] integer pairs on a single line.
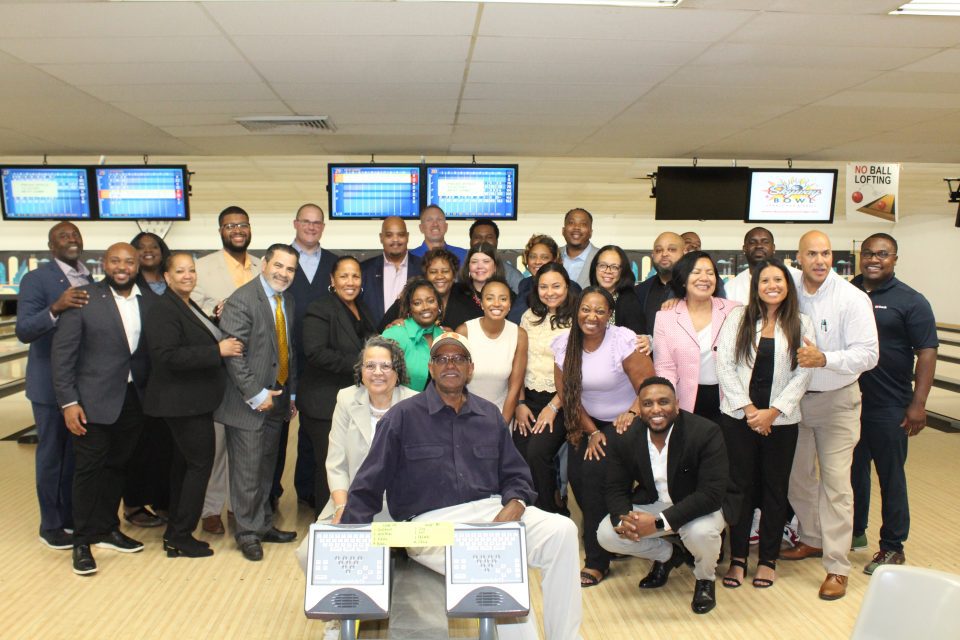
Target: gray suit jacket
[[584, 278], [247, 316], [214, 282]]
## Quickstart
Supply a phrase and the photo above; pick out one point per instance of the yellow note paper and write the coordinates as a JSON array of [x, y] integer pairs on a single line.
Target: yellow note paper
[[412, 534]]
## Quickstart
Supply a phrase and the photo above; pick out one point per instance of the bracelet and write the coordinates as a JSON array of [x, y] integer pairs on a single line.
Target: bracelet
[[593, 433], [552, 406], [521, 401]]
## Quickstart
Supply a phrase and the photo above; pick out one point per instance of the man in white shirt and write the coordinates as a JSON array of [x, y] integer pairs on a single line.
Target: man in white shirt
[[100, 370], [846, 346], [757, 245], [669, 474]]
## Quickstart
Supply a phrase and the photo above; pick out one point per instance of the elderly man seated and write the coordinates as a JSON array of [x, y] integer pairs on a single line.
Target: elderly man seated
[[446, 455]]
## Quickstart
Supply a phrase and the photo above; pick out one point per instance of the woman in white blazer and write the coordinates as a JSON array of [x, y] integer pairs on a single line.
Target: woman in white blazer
[[761, 387], [380, 373]]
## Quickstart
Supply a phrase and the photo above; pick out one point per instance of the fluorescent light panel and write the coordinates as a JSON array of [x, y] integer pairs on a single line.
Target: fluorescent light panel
[[923, 8]]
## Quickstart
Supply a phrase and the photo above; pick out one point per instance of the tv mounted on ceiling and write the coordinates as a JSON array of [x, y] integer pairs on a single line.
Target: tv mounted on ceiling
[[792, 195], [143, 192], [702, 193], [46, 192], [370, 191], [473, 190]]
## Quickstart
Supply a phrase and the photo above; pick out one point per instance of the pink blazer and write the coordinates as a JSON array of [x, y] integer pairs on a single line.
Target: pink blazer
[[676, 352]]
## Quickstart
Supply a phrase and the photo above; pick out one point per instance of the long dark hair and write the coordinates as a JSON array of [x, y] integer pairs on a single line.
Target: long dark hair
[[683, 269], [626, 280], [573, 369], [563, 317], [787, 315]]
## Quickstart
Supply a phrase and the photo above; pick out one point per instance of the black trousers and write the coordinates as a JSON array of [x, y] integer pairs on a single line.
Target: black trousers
[[883, 441], [319, 431], [148, 471], [760, 467], [587, 480], [707, 404], [101, 464], [540, 451], [189, 472]]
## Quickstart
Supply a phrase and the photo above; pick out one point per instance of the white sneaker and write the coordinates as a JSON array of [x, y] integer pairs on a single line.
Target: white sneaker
[[790, 535], [755, 528]]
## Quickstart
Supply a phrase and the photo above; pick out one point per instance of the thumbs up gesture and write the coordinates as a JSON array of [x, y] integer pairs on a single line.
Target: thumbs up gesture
[[809, 356]]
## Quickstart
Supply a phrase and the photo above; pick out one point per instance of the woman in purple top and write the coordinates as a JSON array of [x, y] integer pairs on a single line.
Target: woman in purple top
[[598, 370]]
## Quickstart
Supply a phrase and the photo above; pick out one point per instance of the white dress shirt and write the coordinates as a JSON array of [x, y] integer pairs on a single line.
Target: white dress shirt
[[129, 308], [394, 279], [658, 464], [846, 331], [309, 260]]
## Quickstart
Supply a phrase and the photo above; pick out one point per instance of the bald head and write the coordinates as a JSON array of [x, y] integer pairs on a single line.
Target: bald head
[[394, 238], [65, 242], [815, 257], [120, 264], [667, 249]]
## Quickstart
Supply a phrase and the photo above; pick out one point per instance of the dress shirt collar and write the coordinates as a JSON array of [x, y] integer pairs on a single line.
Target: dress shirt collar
[[403, 263], [134, 292], [888, 284], [303, 251], [666, 443], [435, 403], [79, 270], [233, 261], [580, 258], [267, 289]]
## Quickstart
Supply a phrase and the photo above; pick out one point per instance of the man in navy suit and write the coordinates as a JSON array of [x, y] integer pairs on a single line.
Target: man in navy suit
[[385, 275], [45, 293], [309, 283]]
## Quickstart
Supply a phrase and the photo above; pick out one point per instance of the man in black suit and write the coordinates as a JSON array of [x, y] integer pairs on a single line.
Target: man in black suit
[[652, 292], [100, 368], [385, 275], [309, 283], [45, 294], [679, 463]]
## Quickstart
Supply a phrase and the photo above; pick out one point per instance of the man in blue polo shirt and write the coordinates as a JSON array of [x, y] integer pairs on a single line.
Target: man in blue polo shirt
[[892, 411]]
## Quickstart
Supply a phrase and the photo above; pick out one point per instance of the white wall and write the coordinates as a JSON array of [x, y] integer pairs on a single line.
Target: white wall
[[613, 189]]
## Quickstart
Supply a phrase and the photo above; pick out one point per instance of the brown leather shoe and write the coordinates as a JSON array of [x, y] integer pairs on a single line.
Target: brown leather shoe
[[213, 524], [800, 552], [834, 587]]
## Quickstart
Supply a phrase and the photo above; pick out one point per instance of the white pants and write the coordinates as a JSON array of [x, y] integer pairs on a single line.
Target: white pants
[[218, 487], [701, 537], [552, 547], [829, 431]]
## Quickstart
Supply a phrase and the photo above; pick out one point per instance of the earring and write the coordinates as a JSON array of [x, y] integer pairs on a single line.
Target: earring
[[331, 288]]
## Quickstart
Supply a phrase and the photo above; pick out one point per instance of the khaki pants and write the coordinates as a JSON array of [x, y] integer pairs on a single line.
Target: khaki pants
[[828, 432]]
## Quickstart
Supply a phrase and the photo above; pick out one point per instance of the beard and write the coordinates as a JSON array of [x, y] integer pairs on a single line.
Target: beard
[[229, 246], [120, 287], [663, 272]]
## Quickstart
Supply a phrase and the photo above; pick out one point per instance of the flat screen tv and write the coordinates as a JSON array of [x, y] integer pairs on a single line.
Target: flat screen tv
[[792, 195], [702, 193], [46, 192], [365, 191], [142, 192], [473, 190]]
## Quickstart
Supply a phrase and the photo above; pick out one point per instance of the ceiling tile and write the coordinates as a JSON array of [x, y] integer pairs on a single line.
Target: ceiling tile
[[153, 73], [107, 19], [179, 92], [234, 107], [618, 71], [945, 61], [578, 51], [808, 30], [105, 49], [353, 48], [368, 72], [376, 92], [840, 56]]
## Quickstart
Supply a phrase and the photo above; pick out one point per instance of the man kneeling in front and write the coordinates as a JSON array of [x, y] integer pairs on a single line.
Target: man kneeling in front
[[679, 462], [446, 455]]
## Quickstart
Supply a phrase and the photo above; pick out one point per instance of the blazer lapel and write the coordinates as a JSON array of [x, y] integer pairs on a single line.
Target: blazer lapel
[[113, 313], [684, 320], [268, 318], [186, 311], [717, 318], [643, 459], [346, 325], [675, 453], [360, 414]]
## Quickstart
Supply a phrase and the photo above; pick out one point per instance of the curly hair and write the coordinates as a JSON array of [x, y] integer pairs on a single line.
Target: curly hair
[[573, 370], [396, 359], [545, 240], [406, 296], [440, 254]]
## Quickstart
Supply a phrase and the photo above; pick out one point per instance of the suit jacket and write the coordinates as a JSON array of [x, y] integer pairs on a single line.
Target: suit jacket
[[584, 278], [629, 312], [350, 437], [187, 375], [39, 289], [92, 359], [371, 272], [332, 346], [676, 351], [788, 385], [304, 292], [248, 317], [698, 473], [214, 282]]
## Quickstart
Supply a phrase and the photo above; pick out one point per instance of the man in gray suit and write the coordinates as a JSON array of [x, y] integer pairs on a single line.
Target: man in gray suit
[[261, 395], [578, 253], [100, 368]]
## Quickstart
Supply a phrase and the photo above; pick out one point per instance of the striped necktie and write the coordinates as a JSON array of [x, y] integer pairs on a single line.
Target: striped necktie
[[284, 371]]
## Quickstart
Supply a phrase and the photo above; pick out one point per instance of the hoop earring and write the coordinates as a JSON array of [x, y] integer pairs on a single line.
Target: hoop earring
[[331, 288]]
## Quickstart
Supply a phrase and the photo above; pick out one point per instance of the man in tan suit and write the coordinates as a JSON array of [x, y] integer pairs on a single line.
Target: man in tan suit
[[218, 276]]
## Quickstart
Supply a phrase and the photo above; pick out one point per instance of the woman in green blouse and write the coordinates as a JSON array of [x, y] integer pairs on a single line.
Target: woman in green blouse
[[420, 310]]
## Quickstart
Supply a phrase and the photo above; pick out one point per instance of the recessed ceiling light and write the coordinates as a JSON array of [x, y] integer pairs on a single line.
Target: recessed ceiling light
[[923, 8]]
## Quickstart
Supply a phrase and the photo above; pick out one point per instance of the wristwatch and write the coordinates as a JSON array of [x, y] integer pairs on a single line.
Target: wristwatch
[[658, 523]]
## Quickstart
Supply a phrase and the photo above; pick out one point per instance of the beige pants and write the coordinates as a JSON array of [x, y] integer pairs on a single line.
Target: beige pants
[[829, 430]]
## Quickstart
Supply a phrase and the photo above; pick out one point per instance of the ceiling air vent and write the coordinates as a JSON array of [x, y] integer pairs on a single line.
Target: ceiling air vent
[[287, 124]]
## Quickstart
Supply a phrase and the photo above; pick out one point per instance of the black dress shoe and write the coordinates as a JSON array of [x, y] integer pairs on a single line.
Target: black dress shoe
[[252, 550], [118, 541], [83, 562], [660, 571], [57, 539], [275, 535], [187, 547], [704, 597]]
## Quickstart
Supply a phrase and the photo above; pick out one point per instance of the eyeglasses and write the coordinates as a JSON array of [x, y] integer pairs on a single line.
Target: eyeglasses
[[310, 223], [371, 367], [612, 268], [883, 255], [445, 360], [233, 226]]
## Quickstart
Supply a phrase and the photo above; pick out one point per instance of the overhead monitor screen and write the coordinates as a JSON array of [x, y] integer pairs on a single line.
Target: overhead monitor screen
[[473, 190], [792, 195], [364, 191], [45, 193], [142, 193], [702, 193]]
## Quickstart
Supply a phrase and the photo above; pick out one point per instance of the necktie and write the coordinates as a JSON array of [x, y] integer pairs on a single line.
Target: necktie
[[284, 371]]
